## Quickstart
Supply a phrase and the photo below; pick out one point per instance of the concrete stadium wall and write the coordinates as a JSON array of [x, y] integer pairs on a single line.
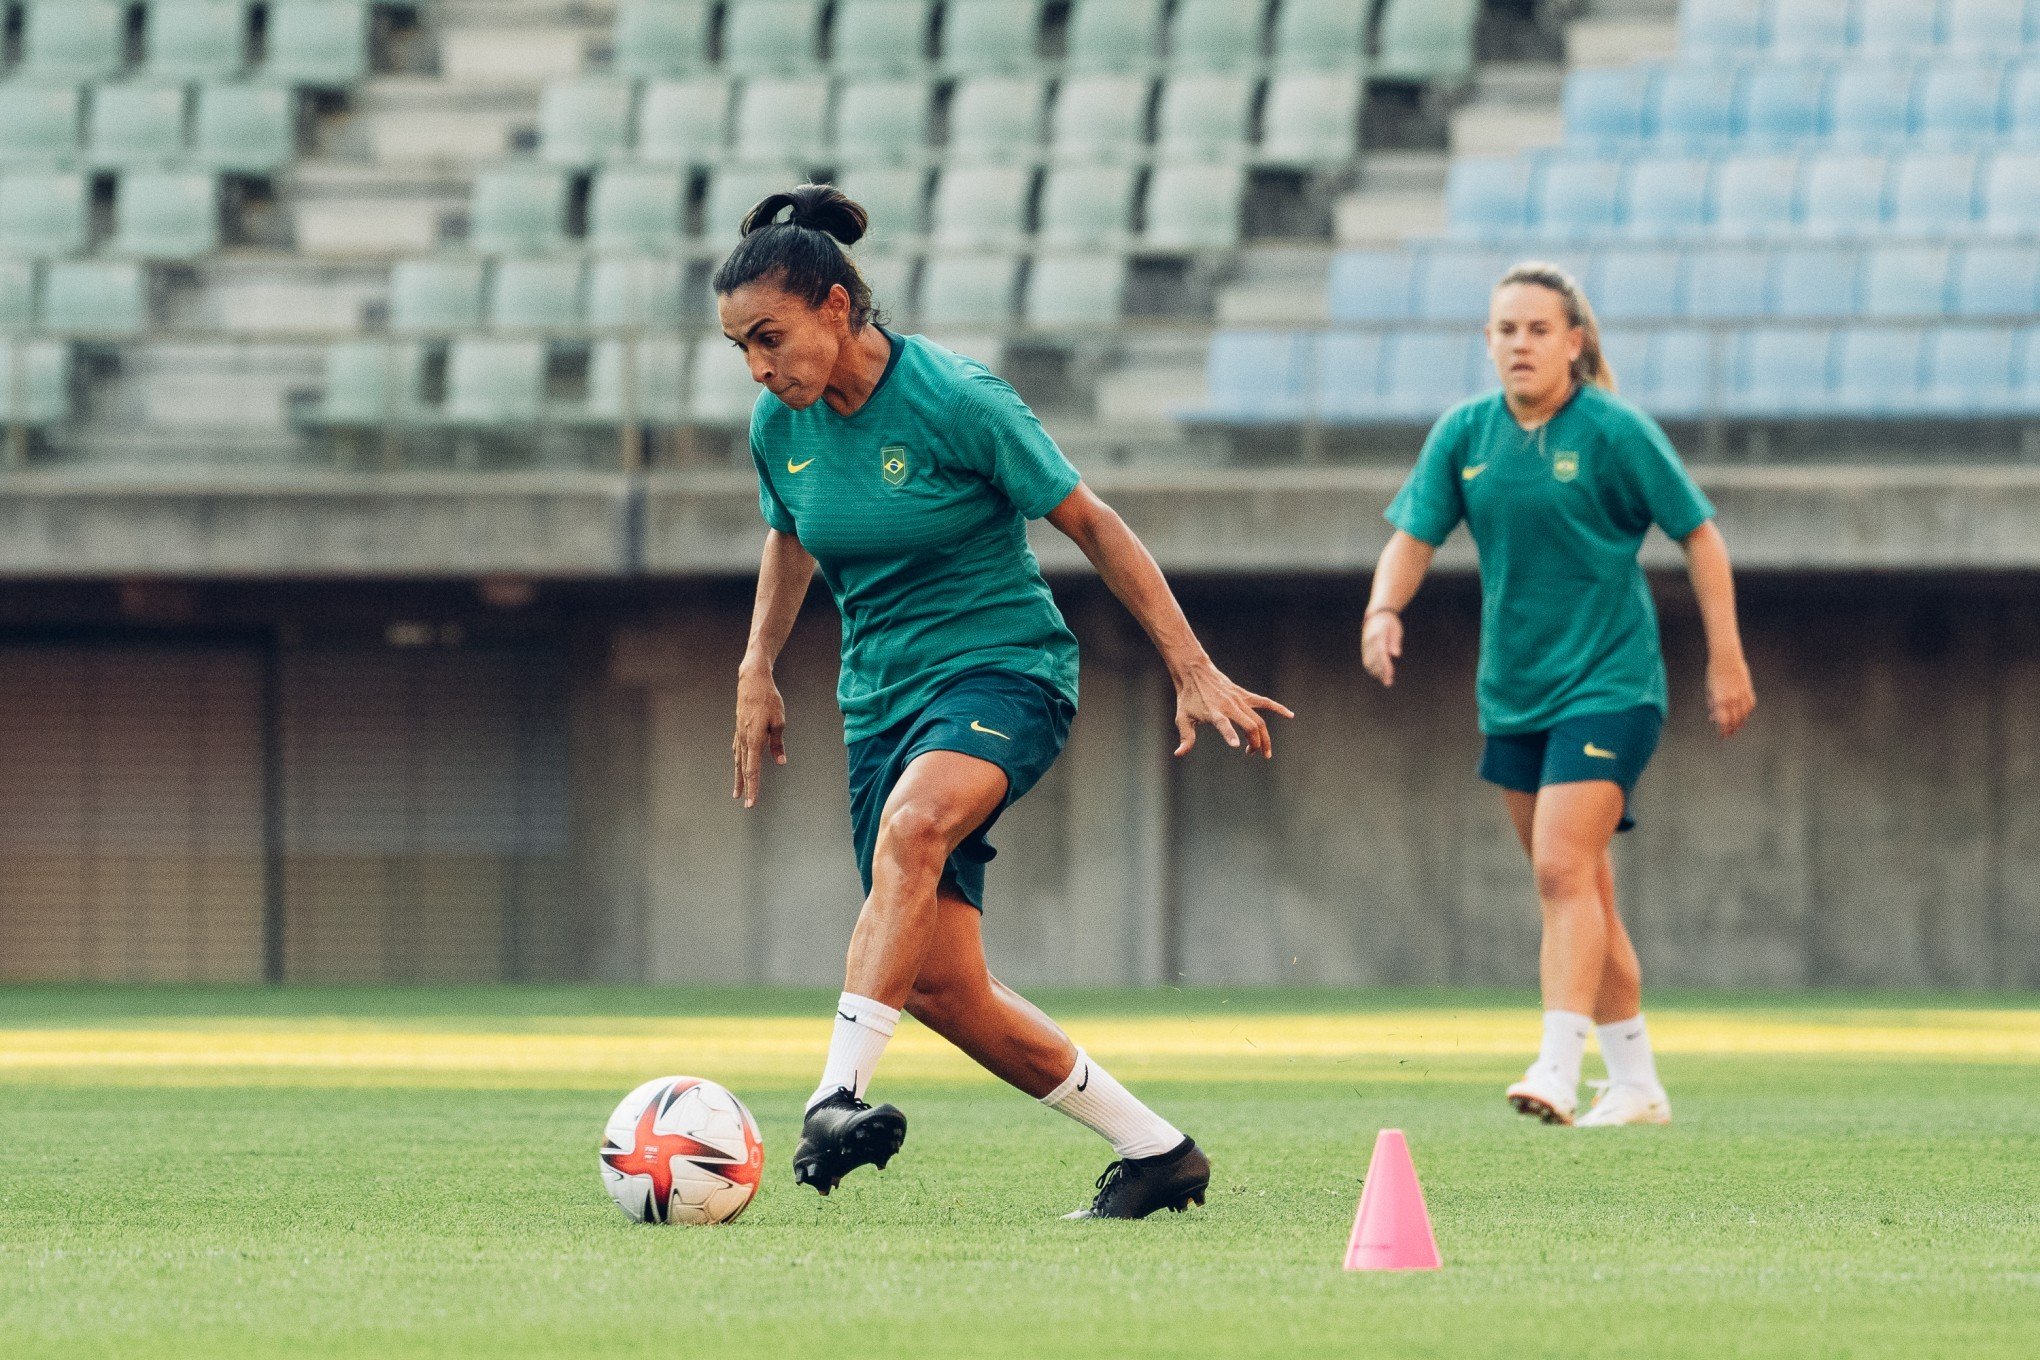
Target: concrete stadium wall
[[1878, 825]]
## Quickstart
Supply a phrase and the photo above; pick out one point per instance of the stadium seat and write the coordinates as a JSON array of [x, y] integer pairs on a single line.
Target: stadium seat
[[1086, 205], [1627, 354], [1781, 371], [1578, 198], [584, 122], [1487, 196], [1426, 42], [370, 382], [1896, 27], [35, 383], [1844, 194], [244, 129], [73, 41], [881, 121], [981, 207], [1695, 105], [1372, 285], [1878, 369], [2011, 192], [166, 215], [1680, 375], [95, 297], [1969, 370], [494, 382], [1665, 197], [195, 39], [969, 290], [1817, 27], [1215, 36], [1194, 207], [1254, 377], [44, 213], [635, 293], [895, 199], [1780, 104], [635, 209], [684, 122], [1100, 118], [890, 278], [1112, 35], [1723, 281], [1636, 284], [436, 295], [38, 124], [981, 37], [1346, 385], [1426, 372], [318, 43], [535, 294], [1454, 283], [719, 387], [1985, 27], [1958, 104], [1321, 35], [995, 119], [135, 125], [2026, 364], [1933, 192], [881, 37], [1205, 117], [1310, 118], [642, 380], [1755, 195], [2021, 110], [1869, 104], [770, 37], [661, 39], [1608, 106], [1996, 279], [518, 211], [1075, 290], [1906, 280], [17, 295], [1721, 26], [1814, 282], [782, 122]]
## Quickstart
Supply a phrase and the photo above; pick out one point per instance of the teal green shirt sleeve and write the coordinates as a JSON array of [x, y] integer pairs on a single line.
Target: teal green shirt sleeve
[[998, 437], [1431, 503], [777, 516], [1659, 487]]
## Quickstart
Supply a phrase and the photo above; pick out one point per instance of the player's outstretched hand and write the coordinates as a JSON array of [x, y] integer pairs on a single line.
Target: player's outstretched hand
[[1204, 695], [761, 727], [1731, 697], [1381, 644]]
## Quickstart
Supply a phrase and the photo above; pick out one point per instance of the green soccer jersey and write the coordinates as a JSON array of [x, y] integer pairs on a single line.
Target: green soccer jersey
[[1558, 515], [915, 509]]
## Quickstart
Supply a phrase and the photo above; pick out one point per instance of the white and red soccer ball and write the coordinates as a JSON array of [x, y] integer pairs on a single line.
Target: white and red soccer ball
[[681, 1150]]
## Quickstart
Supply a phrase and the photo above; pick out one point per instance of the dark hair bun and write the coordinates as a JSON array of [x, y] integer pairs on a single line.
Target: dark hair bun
[[817, 207]]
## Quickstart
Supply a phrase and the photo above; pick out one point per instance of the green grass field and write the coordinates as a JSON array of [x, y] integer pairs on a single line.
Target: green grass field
[[394, 1173]]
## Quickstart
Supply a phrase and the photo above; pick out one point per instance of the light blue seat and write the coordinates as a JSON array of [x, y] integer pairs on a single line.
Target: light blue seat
[[1755, 195], [770, 37], [44, 213], [35, 383], [1310, 118], [1425, 42], [1194, 207], [38, 123], [95, 297], [981, 207], [1809, 26], [1782, 371], [1100, 117], [1933, 192], [535, 294], [661, 39], [1372, 285], [584, 122], [1608, 106], [982, 37], [136, 125], [1845, 194], [1348, 385], [73, 41], [1969, 370], [2021, 108], [1424, 372], [1720, 26], [518, 211], [1695, 105], [244, 129], [318, 43], [684, 122], [1900, 27], [1684, 374], [1724, 281], [642, 381], [995, 118], [166, 215], [1112, 35], [635, 293], [1906, 280], [2011, 192], [371, 383], [883, 121], [1878, 369], [2026, 360], [881, 37], [977, 291], [1635, 283], [195, 39], [428, 296], [1984, 26], [494, 382], [635, 209], [1488, 196], [1959, 104], [1626, 353], [1205, 117], [1075, 290], [1578, 198], [1454, 283], [1814, 282], [1665, 197], [1321, 35], [1214, 37], [782, 122], [1780, 104], [1870, 104], [1086, 205], [1993, 278], [1259, 377]]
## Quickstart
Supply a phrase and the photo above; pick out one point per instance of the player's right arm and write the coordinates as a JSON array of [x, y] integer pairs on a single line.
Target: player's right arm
[[783, 576], [1396, 578]]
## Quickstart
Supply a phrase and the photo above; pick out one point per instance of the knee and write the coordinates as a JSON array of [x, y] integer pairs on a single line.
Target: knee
[[913, 838], [1566, 882]]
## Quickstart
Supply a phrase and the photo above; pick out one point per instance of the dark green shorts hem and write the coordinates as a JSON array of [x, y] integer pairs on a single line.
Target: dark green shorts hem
[[1615, 747]]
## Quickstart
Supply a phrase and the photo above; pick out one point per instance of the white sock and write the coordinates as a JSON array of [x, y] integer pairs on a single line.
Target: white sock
[[1625, 1046], [862, 1028], [1091, 1096], [1565, 1044]]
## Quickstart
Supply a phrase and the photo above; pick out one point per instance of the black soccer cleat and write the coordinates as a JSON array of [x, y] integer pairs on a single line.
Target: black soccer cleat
[[1135, 1187], [841, 1134]]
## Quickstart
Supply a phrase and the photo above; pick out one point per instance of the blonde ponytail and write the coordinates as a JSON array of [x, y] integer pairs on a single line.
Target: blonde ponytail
[[1591, 368]]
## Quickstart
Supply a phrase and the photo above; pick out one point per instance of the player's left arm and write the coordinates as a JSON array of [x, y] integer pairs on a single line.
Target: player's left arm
[[1203, 692], [1730, 694]]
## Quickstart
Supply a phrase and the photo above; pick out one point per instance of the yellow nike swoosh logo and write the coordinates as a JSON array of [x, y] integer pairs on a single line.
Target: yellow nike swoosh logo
[[977, 726], [1599, 754], [792, 466], [1468, 474]]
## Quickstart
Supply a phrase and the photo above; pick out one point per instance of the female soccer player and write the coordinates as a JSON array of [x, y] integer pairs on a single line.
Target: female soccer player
[[1559, 480], [906, 474]]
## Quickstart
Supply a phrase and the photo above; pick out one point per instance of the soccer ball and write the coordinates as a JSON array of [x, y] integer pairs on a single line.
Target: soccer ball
[[681, 1150]]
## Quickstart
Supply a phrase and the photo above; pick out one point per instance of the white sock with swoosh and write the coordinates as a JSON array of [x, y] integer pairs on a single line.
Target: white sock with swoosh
[[1094, 1098], [863, 1027]]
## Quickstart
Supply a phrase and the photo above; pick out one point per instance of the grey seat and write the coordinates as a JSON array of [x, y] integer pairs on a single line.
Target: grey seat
[[1075, 290], [136, 125], [684, 122], [318, 43], [95, 297], [1426, 41], [244, 129], [895, 200], [986, 36], [883, 121], [1311, 119], [44, 213], [75, 41], [1086, 205], [881, 37], [640, 381], [540, 294], [732, 193], [166, 215], [969, 290], [494, 382], [770, 37], [981, 207], [195, 39], [584, 122], [1216, 36], [1321, 35], [17, 295], [518, 211], [636, 208], [436, 295], [641, 292], [661, 39], [719, 387], [995, 119], [1205, 117], [38, 123], [35, 383], [371, 382], [1113, 35], [782, 122], [1101, 118], [1195, 207]]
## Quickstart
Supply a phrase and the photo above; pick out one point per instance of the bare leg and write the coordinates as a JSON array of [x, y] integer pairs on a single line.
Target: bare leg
[[958, 998], [1569, 841], [1620, 994]]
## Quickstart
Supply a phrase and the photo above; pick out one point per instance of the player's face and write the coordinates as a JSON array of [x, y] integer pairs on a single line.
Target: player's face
[[1532, 341], [792, 348]]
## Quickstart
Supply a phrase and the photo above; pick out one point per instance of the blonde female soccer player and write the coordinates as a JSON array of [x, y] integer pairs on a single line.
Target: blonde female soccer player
[[907, 474], [1559, 480]]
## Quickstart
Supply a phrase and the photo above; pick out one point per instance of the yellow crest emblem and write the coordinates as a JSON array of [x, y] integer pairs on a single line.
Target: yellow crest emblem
[[892, 464], [1565, 465]]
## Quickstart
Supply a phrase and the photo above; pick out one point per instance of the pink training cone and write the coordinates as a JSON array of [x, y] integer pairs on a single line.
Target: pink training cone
[[1392, 1231]]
